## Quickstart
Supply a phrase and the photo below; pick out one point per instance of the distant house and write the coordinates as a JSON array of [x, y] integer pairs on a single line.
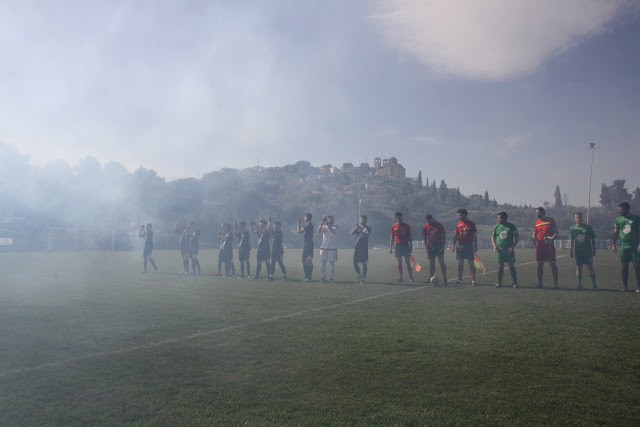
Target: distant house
[[364, 169], [390, 168], [328, 180], [325, 169]]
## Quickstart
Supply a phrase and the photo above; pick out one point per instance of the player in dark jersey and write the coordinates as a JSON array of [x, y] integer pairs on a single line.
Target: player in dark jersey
[[277, 251], [307, 250], [264, 251], [361, 251], [194, 248], [183, 230], [221, 239], [226, 251], [244, 246], [147, 235]]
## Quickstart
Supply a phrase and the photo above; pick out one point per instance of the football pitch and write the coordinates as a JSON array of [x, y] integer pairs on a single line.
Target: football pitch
[[85, 338]]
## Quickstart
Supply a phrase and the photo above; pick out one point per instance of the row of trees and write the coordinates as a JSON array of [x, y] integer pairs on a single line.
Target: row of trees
[[91, 195], [610, 195]]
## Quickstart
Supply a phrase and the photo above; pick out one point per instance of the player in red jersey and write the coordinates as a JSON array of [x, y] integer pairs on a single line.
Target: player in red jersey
[[401, 237], [434, 238], [465, 244], [545, 231]]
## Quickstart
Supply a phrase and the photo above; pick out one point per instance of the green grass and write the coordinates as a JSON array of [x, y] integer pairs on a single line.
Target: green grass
[[86, 339]]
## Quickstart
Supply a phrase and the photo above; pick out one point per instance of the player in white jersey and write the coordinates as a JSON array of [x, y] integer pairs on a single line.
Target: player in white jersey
[[329, 246]]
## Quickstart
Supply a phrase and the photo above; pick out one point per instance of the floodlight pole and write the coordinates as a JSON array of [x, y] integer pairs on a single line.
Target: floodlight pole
[[593, 148], [359, 200]]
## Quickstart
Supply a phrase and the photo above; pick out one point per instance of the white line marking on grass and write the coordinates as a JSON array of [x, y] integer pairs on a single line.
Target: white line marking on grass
[[517, 265], [104, 354]]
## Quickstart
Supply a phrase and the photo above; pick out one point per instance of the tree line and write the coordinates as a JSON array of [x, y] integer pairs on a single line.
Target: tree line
[[95, 195]]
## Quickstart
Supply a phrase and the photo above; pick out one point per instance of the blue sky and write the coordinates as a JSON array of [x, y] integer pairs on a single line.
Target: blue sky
[[503, 95]]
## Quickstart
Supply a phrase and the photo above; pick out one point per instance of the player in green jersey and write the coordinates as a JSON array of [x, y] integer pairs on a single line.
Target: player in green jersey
[[627, 228], [582, 247], [505, 237]]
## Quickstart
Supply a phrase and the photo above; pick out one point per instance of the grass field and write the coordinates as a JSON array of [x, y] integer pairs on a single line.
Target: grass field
[[85, 338]]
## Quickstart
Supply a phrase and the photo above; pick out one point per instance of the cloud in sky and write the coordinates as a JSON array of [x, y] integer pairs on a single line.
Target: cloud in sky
[[185, 88], [128, 80], [491, 39]]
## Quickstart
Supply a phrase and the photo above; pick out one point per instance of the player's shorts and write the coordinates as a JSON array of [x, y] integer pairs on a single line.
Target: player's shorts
[[545, 252], [330, 255], [629, 255], [434, 249], [277, 255], [307, 252], [194, 252], [584, 258], [244, 253], [184, 251], [505, 257], [226, 255], [464, 251], [263, 255], [361, 255], [402, 249], [147, 251]]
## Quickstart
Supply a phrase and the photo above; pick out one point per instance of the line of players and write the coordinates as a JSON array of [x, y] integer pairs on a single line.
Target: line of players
[[504, 238], [270, 249]]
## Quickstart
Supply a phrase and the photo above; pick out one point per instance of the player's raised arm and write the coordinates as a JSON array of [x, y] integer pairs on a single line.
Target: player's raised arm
[[331, 224], [356, 228], [322, 222]]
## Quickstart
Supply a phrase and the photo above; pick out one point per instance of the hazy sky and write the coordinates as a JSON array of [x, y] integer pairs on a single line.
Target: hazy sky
[[503, 95]]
